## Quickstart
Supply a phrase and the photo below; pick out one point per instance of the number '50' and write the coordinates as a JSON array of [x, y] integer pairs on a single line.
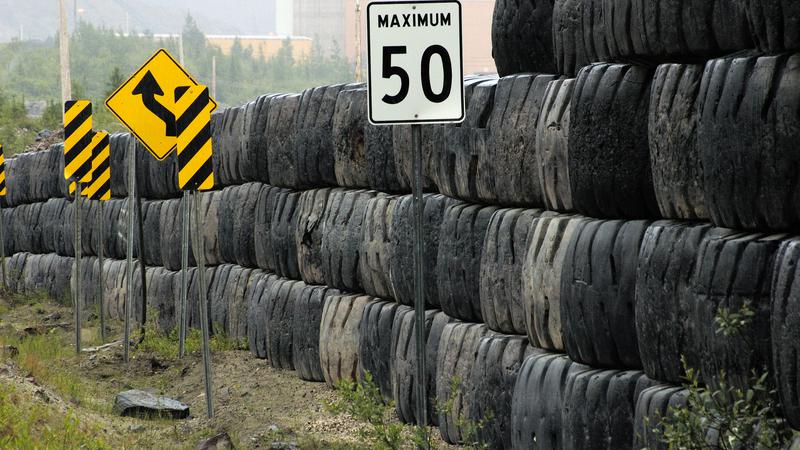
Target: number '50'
[[391, 71]]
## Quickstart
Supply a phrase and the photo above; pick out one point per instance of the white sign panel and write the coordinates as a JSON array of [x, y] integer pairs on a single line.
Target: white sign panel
[[416, 72]]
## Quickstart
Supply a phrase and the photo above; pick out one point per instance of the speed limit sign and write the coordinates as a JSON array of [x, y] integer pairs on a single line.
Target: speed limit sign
[[415, 62]]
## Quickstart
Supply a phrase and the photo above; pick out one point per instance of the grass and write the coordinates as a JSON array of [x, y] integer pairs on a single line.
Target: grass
[[32, 425], [166, 345]]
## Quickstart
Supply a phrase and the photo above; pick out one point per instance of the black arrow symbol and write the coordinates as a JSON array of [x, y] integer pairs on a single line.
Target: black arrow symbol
[[148, 88]]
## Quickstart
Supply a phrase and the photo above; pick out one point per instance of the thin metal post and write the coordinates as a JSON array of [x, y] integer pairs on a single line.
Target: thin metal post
[[419, 283], [3, 249], [201, 286], [142, 266], [102, 281], [184, 317], [78, 251], [129, 252]]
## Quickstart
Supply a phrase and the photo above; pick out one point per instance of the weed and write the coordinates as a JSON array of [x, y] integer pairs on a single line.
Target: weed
[[28, 298], [724, 416], [31, 425], [165, 345], [45, 357], [363, 401], [470, 429]]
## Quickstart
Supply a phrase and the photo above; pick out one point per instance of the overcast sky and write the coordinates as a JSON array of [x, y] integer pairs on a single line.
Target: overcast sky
[[38, 19]]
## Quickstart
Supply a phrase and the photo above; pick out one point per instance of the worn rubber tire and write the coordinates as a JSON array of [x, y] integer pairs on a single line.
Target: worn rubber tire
[[347, 136], [774, 24], [570, 53], [375, 345], [667, 263], [507, 169], [456, 161], [308, 234], [342, 233], [609, 154], [599, 407], [674, 155], [306, 329], [262, 234], [458, 348], [504, 251], [541, 278], [382, 171], [521, 36], [339, 337], [667, 31], [280, 136], [784, 325], [402, 279], [459, 261], [653, 405], [404, 362], [313, 145], [732, 269], [494, 374], [244, 224], [377, 247], [538, 400], [282, 297], [257, 316], [282, 233], [747, 141], [552, 142], [598, 284]]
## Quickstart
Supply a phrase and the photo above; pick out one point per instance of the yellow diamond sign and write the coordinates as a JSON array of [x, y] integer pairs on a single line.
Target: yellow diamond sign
[[146, 102]]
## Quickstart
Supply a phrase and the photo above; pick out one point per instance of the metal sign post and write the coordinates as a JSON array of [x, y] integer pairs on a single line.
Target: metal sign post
[[419, 278], [184, 317], [195, 173], [142, 266], [102, 281], [129, 251], [202, 298], [416, 77], [78, 250]]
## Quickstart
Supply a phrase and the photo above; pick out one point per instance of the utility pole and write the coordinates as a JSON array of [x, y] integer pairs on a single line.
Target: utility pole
[[358, 41], [213, 77], [63, 41], [75, 14], [180, 49]]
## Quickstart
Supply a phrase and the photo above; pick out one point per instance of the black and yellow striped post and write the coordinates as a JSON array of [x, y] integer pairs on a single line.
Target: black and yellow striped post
[[193, 108], [3, 192], [100, 189], [193, 129], [77, 139], [77, 170]]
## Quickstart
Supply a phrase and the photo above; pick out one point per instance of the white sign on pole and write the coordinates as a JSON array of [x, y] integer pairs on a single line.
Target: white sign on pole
[[415, 56]]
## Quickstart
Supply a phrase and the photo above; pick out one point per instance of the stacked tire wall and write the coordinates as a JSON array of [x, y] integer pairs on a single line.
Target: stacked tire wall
[[582, 228]]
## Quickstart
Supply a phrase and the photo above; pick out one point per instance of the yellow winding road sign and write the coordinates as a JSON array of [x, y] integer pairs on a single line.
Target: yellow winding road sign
[[145, 103]]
